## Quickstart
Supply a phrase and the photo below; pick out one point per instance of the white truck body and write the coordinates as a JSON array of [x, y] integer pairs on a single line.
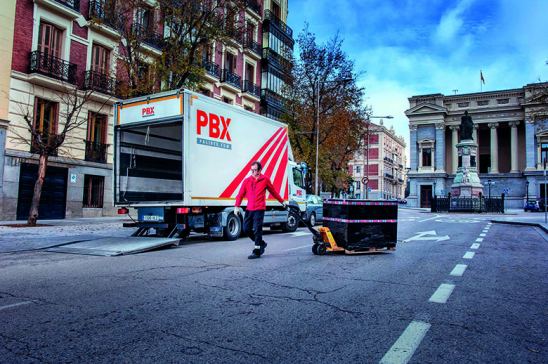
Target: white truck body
[[182, 149]]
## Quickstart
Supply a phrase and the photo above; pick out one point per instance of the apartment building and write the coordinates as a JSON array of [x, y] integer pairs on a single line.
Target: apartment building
[[61, 47], [378, 169]]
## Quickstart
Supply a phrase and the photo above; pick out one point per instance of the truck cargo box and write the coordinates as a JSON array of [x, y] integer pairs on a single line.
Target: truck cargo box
[[362, 224]]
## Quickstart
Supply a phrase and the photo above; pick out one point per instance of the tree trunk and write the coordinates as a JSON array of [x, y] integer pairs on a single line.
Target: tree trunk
[[33, 213]]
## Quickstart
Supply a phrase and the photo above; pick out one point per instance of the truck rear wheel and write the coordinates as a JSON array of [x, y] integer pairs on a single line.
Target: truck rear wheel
[[292, 223], [233, 227]]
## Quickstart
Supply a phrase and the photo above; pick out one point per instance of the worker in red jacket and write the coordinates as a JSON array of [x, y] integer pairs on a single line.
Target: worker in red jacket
[[254, 189]]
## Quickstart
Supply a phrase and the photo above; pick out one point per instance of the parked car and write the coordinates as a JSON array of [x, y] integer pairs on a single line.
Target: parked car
[[314, 209], [532, 206]]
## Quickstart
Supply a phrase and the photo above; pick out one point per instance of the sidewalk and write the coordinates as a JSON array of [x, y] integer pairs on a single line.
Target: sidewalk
[[519, 217]]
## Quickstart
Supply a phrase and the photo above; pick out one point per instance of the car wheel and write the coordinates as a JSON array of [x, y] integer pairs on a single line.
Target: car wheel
[[233, 227], [292, 223], [312, 219]]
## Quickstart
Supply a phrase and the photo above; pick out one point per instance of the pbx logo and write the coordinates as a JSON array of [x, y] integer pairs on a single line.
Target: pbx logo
[[216, 125], [147, 111]]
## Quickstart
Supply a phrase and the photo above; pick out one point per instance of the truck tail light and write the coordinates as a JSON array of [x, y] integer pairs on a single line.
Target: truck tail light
[[196, 210], [123, 211], [182, 210]]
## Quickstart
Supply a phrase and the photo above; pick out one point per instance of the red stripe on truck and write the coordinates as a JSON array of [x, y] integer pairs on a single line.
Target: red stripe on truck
[[245, 170]]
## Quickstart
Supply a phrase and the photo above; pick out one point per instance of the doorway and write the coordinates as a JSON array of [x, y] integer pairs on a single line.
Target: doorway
[[426, 196]]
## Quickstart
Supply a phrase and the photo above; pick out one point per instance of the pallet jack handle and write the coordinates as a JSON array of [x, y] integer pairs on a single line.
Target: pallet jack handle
[[297, 212]]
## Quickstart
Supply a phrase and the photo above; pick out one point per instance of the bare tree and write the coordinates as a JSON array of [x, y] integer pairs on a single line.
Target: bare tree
[[47, 140]]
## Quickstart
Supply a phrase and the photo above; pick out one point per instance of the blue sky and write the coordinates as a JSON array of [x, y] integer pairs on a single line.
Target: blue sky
[[414, 47]]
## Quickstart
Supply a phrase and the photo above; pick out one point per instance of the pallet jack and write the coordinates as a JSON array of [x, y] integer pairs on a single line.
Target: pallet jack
[[324, 242]]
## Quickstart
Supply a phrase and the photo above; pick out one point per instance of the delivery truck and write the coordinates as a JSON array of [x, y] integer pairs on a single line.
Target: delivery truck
[[180, 158]]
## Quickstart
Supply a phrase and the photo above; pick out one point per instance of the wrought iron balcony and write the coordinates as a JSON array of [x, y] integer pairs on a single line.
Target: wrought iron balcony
[[52, 67], [389, 160], [276, 60], [253, 5], [104, 12], [96, 152], [73, 4], [212, 68], [271, 98], [252, 88], [270, 16], [389, 176], [252, 46], [231, 78], [100, 82], [148, 36]]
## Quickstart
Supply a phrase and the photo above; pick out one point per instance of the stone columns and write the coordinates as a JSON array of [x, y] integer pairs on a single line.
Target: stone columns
[[440, 147], [454, 153], [514, 146], [475, 134], [530, 152], [413, 147], [494, 148]]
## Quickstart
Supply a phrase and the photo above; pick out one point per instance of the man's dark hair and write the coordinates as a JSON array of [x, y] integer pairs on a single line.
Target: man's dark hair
[[258, 164]]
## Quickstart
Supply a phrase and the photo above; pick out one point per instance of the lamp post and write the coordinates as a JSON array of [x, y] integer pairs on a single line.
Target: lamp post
[[526, 191], [367, 147], [317, 90], [489, 183]]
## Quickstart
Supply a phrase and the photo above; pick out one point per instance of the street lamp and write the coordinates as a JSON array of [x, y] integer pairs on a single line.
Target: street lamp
[[526, 191], [489, 183], [317, 89], [367, 148]]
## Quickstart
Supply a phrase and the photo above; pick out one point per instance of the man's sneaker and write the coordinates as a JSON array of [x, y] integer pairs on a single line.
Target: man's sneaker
[[263, 247], [254, 255]]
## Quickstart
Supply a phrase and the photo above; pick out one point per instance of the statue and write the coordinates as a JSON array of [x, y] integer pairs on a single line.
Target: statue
[[466, 127]]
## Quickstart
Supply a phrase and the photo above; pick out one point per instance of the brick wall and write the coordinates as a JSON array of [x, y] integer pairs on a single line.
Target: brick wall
[[79, 31], [78, 53], [22, 40], [373, 184], [373, 153]]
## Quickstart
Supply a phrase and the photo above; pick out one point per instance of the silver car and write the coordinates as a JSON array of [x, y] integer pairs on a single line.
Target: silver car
[[314, 209]]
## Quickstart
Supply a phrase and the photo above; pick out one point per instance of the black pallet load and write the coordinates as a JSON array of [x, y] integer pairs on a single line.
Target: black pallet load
[[361, 225]]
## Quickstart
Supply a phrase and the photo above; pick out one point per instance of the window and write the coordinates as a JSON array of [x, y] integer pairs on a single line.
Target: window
[[276, 10], [45, 119], [96, 148], [543, 153], [250, 31], [298, 177], [248, 108], [49, 40], [427, 157], [143, 19], [93, 191], [250, 73], [230, 62], [227, 100], [100, 59], [358, 170]]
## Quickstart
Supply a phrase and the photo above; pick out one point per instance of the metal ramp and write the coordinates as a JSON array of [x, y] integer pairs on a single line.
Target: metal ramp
[[114, 246]]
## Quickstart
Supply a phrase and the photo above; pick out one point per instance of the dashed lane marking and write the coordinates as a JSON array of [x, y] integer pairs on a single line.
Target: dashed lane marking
[[458, 271], [475, 246], [300, 233], [15, 305], [430, 218], [442, 293], [483, 235], [479, 240], [404, 348], [468, 255]]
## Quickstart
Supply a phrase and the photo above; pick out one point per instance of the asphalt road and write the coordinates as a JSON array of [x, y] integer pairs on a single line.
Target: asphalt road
[[442, 297]]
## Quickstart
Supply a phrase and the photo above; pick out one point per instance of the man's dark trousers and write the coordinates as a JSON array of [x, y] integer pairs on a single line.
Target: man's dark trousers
[[253, 226]]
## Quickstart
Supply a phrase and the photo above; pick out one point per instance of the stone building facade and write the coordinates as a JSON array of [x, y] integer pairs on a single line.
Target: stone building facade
[[382, 163], [510, 127], [57, 46]]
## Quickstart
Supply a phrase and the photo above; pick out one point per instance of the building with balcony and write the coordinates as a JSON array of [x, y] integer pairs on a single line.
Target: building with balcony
[[510, 128], [59, 46], [378, 169]]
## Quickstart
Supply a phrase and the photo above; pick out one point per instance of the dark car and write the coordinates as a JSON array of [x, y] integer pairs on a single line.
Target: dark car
[[314, 209], [532, 206]]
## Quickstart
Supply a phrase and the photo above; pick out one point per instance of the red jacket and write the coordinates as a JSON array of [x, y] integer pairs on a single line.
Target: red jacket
[[255, 191]]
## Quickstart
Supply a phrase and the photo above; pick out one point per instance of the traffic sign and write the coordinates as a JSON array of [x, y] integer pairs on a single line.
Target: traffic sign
[[365, 180]]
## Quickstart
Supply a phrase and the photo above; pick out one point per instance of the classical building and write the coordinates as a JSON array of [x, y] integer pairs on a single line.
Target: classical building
[[51, 48], [381, 163], [510, 127]]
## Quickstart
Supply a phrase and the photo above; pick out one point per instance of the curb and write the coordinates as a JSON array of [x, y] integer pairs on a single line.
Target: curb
[[522, 223]]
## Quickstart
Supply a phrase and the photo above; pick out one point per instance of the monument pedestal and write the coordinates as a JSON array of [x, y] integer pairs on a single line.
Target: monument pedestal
[[467, 183]]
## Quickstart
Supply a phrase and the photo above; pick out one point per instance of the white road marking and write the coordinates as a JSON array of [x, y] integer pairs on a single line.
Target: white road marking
[[428, 235], [468, 255], [475, 246], [458, 271], [15, 305], [299, 247], [404, 348], [482, 234], [430, 218], [485, 231], [479, 240], [442, 293], [300, 233]]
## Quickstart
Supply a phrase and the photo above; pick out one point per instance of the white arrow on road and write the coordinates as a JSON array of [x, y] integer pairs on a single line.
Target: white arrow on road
[[428, 235]]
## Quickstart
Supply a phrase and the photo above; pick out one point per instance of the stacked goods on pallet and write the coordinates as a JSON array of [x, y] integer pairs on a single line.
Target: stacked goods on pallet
[[362, 224]]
